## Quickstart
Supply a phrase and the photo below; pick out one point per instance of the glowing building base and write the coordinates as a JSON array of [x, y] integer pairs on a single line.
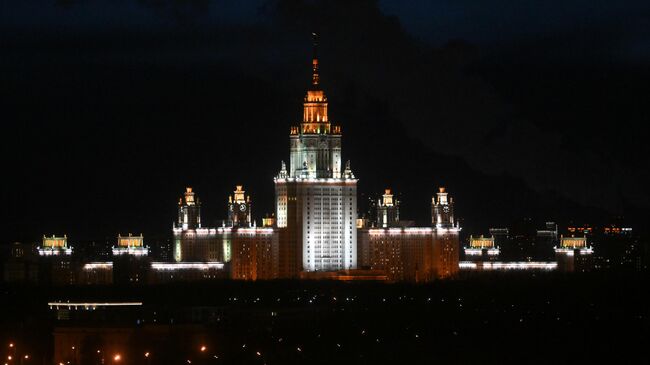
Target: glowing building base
[[570, 251], [173, 266], [479, 251], [135, 251], [54, 251], [513, 265]]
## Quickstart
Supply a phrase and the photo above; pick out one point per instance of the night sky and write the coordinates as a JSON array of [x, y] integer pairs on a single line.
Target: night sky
[[522, 109]]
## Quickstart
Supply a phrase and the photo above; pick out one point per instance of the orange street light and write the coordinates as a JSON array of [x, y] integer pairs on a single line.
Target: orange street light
[[203, 348], [117, 357]]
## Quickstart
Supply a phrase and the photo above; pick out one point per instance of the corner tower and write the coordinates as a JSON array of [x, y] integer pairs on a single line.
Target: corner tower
[[239, 209], [316, 200]]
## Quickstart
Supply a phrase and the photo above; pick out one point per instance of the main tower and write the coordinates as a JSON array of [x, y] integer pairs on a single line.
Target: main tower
[[316, 200]]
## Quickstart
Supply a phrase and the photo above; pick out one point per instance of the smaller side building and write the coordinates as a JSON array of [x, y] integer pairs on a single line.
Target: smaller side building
[[56, 265], [482, 249], [574, 254]]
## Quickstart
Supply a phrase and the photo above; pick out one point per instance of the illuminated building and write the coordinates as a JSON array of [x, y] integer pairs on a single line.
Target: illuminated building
[[254, 254], [442, 209], [253, 251], [446, 244], [387, 211], [402, 253], [97, 273], [192, 242], [615, 230], [130, 245], [416, 254], [316, 199], [268, 221], [481, 248], [574, 254], [508, 266], [483, 252], [584, 230], [54, 246], [56, 265], [239, 209], [164, 272], [189, 211]]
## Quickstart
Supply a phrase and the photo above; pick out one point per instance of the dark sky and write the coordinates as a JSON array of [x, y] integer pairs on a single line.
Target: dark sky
[[531, 108]]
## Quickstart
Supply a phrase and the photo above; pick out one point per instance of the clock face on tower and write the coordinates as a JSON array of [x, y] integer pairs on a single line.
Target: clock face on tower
[[242, 207], [445, 209]]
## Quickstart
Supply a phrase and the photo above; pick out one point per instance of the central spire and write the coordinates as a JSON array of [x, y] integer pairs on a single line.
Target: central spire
[[315, 80], [315, 118]]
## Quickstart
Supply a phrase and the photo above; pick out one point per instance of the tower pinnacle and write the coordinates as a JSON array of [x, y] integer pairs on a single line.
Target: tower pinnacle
[[315, 79]]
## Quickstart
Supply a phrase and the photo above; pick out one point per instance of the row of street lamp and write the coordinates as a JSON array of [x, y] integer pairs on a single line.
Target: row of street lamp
[[116, 357], [15, 357]]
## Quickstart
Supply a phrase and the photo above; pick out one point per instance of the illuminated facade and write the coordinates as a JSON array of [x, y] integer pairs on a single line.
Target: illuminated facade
[[403, 254], [416, 254], [446, 244], [254, 254], [189, 210], [56, 265], [316, 200], [481, 248], [442, 210], [55, 246], [239, 209], [192, 242], [574, 254], [97, 273], [130, 245], [163, 272], [251, 251], [387, 210], [313, 233], [509, 265]]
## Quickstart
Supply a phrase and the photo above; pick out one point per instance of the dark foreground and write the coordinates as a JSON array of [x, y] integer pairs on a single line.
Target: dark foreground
[[513, 318]]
